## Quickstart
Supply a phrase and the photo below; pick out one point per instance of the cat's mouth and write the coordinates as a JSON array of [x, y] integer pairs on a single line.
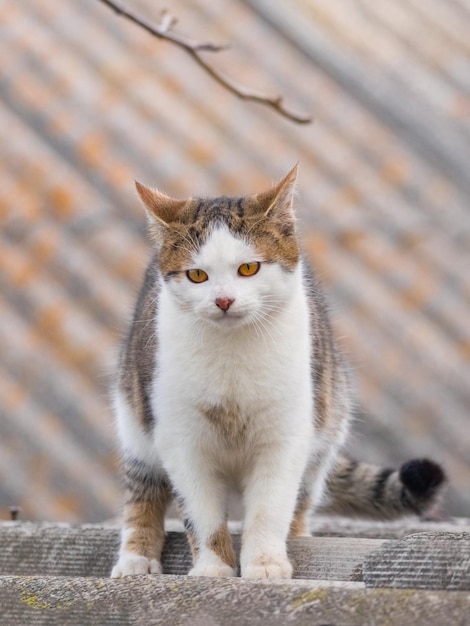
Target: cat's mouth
[[228, 319]]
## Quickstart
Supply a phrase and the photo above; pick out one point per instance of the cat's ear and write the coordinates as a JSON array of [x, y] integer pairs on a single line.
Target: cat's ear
[[159, 206], [278, 201]]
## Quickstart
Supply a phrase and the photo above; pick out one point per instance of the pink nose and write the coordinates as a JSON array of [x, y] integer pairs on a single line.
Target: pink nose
[[224, 303]]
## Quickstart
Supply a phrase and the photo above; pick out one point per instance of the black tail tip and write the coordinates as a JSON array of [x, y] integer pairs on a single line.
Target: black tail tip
[[422, 477]]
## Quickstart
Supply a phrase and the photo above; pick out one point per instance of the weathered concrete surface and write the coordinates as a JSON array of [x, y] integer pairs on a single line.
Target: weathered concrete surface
[[90, 550], [184, 601], [423, 561]]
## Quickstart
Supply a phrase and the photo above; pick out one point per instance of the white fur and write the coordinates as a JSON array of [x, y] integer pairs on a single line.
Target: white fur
[[209, 564], [134, 441], [131, 564], [256, 355]]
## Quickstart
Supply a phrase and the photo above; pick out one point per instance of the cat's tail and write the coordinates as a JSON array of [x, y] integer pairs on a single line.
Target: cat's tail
[[370, 491]]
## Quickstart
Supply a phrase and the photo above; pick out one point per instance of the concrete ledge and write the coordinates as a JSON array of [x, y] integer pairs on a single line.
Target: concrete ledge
[[184, 601]]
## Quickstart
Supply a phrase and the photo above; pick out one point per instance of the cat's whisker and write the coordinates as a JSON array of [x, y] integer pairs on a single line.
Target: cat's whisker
[[254, 323], [191, 251], [200, 333], [262, 324], [268, 306], [258, 330], [261, 219], [193, 247], [152, 337]]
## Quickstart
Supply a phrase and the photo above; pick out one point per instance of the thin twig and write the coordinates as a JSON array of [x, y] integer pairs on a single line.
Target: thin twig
[[194, 49]]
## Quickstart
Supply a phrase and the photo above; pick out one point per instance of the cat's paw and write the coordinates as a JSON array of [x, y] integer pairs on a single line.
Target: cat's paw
[[213, 570], [268, 566], [135, 565]]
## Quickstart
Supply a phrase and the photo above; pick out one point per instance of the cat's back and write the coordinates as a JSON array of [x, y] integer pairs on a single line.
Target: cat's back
[[330, 371], [137, 360]]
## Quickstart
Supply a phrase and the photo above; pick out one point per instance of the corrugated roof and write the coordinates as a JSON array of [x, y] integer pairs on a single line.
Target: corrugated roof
[[88, 102]]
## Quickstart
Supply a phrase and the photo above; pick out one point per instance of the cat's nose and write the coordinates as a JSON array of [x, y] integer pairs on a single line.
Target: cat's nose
[[224, 303]]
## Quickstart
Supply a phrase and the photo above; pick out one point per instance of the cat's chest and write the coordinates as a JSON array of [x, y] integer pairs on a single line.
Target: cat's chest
[[229, 393], [218, 371]]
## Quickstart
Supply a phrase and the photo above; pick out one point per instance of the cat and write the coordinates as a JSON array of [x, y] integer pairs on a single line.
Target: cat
[[230, 375]]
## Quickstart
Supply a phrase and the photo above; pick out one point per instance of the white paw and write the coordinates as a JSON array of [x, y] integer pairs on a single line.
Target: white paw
[[214, 570], [268, 566], [130, 564]]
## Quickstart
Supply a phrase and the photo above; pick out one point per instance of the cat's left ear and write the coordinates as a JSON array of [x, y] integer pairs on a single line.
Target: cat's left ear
[[160, 206], [278, 201]]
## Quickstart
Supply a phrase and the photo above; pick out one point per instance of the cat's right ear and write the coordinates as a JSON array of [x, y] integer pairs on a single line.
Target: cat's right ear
[[160, 207], [279, 199]]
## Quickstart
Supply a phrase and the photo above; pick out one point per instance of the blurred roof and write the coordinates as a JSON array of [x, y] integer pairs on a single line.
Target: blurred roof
[[88, 102]]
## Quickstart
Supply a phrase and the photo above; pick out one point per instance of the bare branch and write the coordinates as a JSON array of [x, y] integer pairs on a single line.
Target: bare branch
[[163, 30]]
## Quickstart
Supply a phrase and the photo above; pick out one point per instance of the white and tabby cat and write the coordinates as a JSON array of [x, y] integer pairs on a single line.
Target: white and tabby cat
[[230, 376]]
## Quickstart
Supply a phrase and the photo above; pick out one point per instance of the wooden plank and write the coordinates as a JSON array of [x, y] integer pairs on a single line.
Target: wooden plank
[[90, 550], [184, 601], [322, 525], [436, 560]]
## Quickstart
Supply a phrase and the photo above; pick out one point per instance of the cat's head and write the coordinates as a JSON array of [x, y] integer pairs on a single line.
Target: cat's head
[[229, 261]]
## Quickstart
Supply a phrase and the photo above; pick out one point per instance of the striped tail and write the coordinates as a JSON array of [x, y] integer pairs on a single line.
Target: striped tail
[[370, 491]]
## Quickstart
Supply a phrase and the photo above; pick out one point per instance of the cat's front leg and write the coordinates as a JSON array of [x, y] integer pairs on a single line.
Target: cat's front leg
[[270, 498], [148, 494], [201, 496], [213, 553]]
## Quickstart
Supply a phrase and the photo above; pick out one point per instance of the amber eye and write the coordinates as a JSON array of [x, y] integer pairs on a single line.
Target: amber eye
[[197, 276], [248, 269]]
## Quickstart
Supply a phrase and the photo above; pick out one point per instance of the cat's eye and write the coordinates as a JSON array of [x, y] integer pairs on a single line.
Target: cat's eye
[[248, 269], [197, 276]]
